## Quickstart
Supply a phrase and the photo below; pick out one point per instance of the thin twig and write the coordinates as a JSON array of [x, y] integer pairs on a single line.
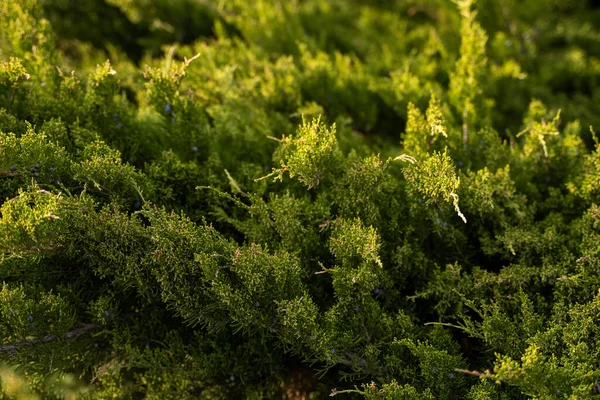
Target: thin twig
[[74, 334], [485, 374], [25, 193]]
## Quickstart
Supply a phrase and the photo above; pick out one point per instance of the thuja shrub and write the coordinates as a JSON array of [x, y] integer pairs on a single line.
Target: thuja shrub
[[269, 199]]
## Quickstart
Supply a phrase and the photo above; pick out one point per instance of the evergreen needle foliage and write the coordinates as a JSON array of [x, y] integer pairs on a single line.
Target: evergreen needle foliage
[[299, 199]]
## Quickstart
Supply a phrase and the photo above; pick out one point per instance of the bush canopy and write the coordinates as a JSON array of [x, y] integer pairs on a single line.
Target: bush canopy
[[299, 199]]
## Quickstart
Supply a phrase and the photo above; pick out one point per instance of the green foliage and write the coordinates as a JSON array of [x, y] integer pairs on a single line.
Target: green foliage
[[356, 198], [467, 80], [310, 154], [47, 314], [434, 180]]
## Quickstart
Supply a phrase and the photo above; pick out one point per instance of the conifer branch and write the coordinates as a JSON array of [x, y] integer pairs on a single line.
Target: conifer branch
[[234, 185], [278, 173], [335, 392], [225, 195], [446, 324]]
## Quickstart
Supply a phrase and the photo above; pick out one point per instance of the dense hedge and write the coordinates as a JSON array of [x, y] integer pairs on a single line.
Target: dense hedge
[[297, 199]]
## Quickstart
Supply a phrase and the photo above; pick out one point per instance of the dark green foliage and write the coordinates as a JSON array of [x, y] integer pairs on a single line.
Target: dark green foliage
[[271, 199]]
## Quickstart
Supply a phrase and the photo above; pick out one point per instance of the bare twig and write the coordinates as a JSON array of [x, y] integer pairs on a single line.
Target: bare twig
[[74, 334], [485, 374], [25, 193]]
